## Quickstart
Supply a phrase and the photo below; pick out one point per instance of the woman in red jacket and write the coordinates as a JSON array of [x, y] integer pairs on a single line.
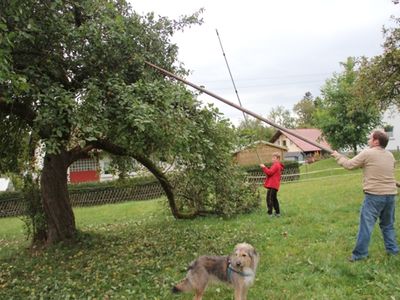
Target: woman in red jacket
[[272, 183]]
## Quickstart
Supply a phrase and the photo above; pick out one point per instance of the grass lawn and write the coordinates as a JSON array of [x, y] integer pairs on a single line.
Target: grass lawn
[[323, 168], [136, 250]]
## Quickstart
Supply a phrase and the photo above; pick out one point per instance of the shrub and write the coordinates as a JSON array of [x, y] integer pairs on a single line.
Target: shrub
[[221, 192]]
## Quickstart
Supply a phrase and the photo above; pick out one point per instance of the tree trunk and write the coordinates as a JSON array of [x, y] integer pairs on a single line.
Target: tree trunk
[[165, 184], [57, 207]]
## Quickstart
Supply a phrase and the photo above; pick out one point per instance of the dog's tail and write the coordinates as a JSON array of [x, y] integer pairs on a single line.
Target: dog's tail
[[183, 286]]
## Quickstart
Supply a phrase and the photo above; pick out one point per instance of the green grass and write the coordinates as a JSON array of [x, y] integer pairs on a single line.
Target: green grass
[[323, 168], [324, 164], [136, 250]]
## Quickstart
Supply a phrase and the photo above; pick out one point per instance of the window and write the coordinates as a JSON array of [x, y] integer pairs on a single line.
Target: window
[[85, 164], [389, 130], [284, 143], [106, 167]]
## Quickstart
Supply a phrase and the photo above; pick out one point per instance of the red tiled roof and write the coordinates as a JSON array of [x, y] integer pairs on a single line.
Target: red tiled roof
[[312, 134]]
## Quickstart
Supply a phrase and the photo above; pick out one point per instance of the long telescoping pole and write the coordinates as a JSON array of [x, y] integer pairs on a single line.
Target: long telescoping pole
[[234, 86], [249, 112]]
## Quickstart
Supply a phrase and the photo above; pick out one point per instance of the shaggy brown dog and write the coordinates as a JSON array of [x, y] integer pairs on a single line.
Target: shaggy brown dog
[[237, 269]]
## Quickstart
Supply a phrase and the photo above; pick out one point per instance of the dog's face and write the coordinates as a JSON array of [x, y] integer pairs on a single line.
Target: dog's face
[[244, 256]]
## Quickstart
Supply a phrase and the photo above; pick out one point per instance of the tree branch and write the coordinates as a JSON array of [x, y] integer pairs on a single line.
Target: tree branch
[[18, 109], [78, 16], [78, 152], [151, 166]]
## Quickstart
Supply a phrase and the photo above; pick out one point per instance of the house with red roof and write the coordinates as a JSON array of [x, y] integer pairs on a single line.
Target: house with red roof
[[298, 149]]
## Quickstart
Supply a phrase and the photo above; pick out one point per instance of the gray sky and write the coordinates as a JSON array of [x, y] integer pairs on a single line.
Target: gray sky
[[277, 50]]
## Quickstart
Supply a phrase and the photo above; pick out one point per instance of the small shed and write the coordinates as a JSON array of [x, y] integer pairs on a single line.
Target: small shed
[[248, 155]]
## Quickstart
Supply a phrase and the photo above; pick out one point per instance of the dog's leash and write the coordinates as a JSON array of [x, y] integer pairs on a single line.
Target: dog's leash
[[230, 269]]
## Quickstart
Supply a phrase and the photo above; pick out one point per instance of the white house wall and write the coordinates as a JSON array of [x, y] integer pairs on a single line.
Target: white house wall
[[393, 118], [283, 141], [6, 185], [293, 153]]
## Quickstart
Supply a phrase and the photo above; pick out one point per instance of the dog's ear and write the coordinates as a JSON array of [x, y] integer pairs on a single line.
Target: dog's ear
[[255, 259], [253, 253]]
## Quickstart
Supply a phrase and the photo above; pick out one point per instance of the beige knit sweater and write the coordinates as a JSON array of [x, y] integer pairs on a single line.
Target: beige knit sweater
[[378, 168]]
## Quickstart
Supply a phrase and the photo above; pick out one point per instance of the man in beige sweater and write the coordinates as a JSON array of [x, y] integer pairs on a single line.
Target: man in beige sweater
[[379, 186]]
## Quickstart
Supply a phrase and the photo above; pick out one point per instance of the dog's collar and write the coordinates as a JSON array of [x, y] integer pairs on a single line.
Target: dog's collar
[[230, 269]]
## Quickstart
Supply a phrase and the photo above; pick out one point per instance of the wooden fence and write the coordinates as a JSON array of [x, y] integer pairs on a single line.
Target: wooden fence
[[15, 205], [258, 177]]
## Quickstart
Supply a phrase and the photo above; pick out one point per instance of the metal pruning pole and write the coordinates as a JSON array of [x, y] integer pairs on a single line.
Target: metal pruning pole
[[234, 86], [249, 112]]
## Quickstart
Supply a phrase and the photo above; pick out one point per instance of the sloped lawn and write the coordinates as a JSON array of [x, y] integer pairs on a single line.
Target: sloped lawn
[[137, 250]]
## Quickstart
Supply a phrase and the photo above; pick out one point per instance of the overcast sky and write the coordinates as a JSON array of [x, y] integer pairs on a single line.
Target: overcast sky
[[276, 50]]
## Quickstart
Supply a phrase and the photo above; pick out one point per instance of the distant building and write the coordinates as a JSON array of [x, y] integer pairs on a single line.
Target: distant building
[[299, 150], [84, 170], [97, 167], [391, 125], [6, 185], [248, 156], [391, 121]]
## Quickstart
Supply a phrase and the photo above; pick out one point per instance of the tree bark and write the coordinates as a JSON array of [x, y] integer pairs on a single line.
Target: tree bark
[[55, 197]]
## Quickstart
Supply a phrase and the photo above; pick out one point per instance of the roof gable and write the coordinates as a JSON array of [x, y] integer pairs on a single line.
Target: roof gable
[[312, 134]]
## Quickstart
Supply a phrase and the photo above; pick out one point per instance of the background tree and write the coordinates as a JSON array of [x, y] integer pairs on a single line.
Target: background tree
[[343, 117], [13, 151], [305, 110], [72, 74], [253, 130], [281, 116], [379, 80]]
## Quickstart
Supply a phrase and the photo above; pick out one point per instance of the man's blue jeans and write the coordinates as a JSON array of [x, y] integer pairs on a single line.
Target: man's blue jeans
[[374, 207]]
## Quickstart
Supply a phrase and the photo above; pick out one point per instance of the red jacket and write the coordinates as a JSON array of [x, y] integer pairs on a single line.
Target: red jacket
[[273, 173]]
